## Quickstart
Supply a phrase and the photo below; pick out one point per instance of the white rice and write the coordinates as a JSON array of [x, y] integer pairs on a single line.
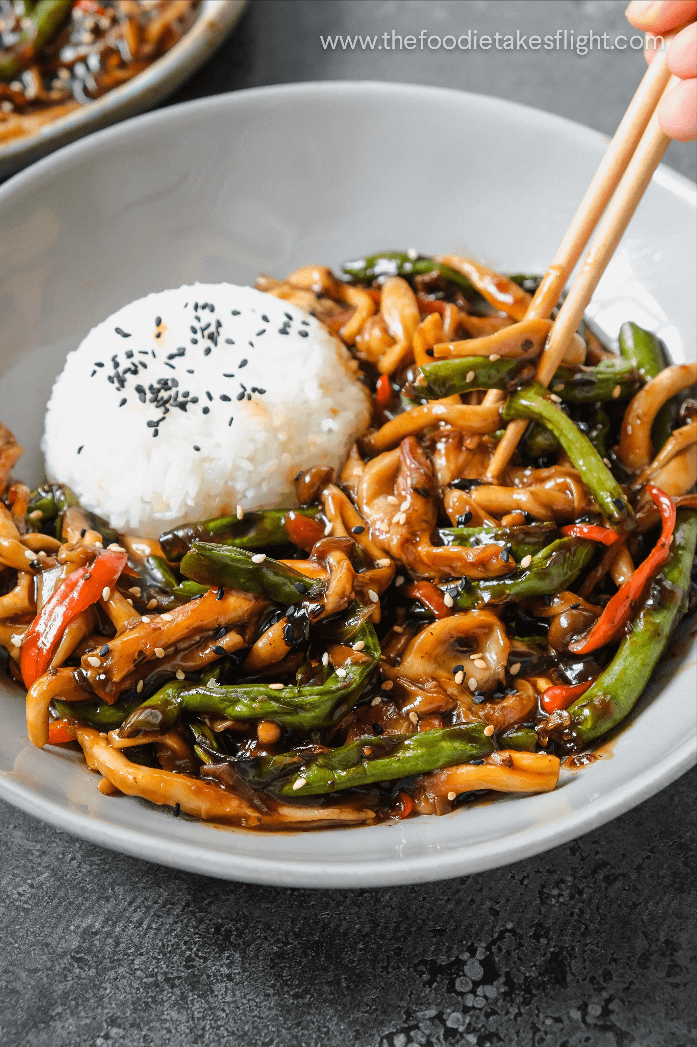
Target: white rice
[[115, 434]]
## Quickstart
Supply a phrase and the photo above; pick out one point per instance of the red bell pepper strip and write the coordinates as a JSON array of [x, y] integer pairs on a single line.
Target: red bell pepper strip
[[383, 391], [430, 596], [405, 805], [594, 532], [621, 607], [303, 531], [60, 732], [561, 696], [78, 591]]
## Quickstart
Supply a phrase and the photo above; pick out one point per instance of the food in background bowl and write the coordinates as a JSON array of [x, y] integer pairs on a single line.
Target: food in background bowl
[[410, 633]]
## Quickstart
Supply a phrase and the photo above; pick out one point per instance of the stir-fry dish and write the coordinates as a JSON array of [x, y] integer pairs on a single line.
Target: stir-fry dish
[[416, 630], [56, 55]]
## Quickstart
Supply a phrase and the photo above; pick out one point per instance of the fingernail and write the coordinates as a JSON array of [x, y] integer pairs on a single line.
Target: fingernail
[[640, 9]]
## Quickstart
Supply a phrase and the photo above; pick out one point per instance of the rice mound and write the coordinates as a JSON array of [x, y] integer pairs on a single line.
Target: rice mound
[[192, 401]]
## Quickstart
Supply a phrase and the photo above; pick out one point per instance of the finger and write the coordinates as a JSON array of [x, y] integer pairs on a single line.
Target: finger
[[658, 16], [681, 57], [677, 112]]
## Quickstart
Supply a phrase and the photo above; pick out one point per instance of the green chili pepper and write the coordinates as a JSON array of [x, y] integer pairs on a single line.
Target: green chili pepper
[[96, 713], [641, 349], [399, 263], [50, 500], [539, 442], [464, 374], [43, 22], [523, 540], [189, 590], [372, 759], [534, 402], [605, 382], [303, 707], [616, 691], [235, 568], [256, 530], [551, 570], [521, 738]]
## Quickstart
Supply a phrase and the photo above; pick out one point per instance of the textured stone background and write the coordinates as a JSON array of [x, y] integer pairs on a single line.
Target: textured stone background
[[589, 945]]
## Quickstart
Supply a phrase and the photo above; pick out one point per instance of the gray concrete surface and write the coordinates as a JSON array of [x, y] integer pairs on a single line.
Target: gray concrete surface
[[589, 945]]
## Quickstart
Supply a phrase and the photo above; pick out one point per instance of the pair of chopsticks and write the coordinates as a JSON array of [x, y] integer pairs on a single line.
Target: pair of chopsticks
[[616, 189]]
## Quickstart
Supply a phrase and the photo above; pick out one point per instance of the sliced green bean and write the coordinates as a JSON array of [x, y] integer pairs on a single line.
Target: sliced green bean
[[256, 530], [213, 565], [523, 540]]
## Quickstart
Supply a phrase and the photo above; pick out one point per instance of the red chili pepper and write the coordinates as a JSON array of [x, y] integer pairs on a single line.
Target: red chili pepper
[[405, 805], [594, 532], [430, 305], [375, 293], [562, 695], [60, 732], [430, 596], [78, 591], [383, 391], [303, 531], [620, 608]]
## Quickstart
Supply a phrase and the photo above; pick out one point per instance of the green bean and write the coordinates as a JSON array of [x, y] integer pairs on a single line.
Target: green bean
[[605, 382], [303, 707], [43, 22], [256, 530], [533, 402], [523, 540], [641, 349], [551, 570], [616, 691], [520, 737], [235, 568], [539, 442], [189, 590], [462, 375], [399, 263], [371, 759], [50, 500], [97, 713]]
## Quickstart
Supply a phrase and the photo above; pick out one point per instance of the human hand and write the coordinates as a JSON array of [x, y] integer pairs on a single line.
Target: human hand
[[677, 112]]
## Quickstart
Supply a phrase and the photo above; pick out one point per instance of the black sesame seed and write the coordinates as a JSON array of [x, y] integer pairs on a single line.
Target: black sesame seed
[[619, 503], [259, 333], [229, 341], [219, 650], [104, 650], [122, 402], [155, 432], [220, 593], [240, 396], [177, 809], [430, 352], [225, 397], [206, 410], [464, 519], [35, 564], [574, 606], [377, 729], [301, 587], [231, 420], [98, 363], [282, 330], [505, 553], [261, 391], [303, 334], [249, 396], [221, 632], [83, 532], [457, 669], [265, 318], [207, 351], [306, 322], [475, 763], [80, 448], [547, 600], [243, 363], [123, 334], [209, 396], [529, 518], [357, 530], [196, 447], [189, 370], [235, 312]]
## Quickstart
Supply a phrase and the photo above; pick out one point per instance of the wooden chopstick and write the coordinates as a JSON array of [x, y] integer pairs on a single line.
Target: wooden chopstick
[[637, 148]]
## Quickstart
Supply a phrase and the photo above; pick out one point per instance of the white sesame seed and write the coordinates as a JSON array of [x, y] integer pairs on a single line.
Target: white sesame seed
[[616, 392], [471, 683], [93, 661], [557, 399], [299, 782], [488, 731], [392, 500], [36, 515], [159, 652], [451, 795], [558, 387], [145, 620], [41, 555], [359, 645], [480, 663], [139, 686], [167, 618], [180, 674], [17, 640], [383, 563], [470, 376], [448, 600], [608, 463], [325, 658], [240, 512], [526, 561], [439, 409], [258, 557], [373, 596], [134, 590], [405, 505], [399, 580], [515, 669], [413, 717], [98, 544], [413, 254], [459, 677], [152, 604], [376, 700], [397, 629], [116, 548], [106, 593], [276, 686], [328, 529], [387, 685], [29, 554], [129, 600], [494, 357], [341, 673]]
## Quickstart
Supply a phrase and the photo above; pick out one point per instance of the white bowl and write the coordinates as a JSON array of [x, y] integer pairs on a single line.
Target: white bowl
[[214, 21], [266, 180]]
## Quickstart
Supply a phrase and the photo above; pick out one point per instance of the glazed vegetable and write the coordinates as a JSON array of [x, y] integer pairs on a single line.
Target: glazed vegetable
[[594, 533], [78, 591], [256, 530], [641, 349], [40, 24], [522, 737], [401, 263], [430, 596], [606, 381], [561, 696], [371, 759], [623, 604], [50, 500], [214, 565], [534, 402], [615, 693], [98, 714], [293, 706], [551, 570], [527, 539]]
